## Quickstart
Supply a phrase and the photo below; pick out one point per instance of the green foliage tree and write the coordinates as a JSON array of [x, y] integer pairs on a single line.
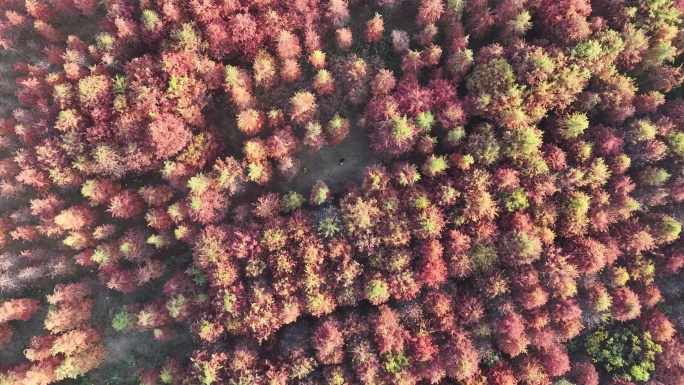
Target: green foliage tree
[[623, 351], [122, 321], [395, 362], [329, 226], [377, 291], [516, 200], [676, 143], [572, 125], [292, 201], [424, 121]]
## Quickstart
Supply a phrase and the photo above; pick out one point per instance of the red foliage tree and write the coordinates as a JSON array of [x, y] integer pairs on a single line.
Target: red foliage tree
[[626, 304], [250, 121], [75, 341], [317, 59], [124, 281], [323, 82], [566, 21], [429, 12], [290, 71], [48, 32], [329, 343], [501, 374], [383, 83], [126, 204], [554, 359], [657, 323], [424, 347], [169, 135], [71, 292], [320, 193], [584, 372], [400, 41], [433, 271], [302, 107], [288, 45], [374, 29], [76, 218], [389, 335], [337, 12], [68, 316], [18, 309], [337, 130], [460, 357], [100, 191], [510, 334], [343, 38]]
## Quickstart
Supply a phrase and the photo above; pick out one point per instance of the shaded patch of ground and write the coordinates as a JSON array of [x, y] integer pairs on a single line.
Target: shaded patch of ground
[[324, 165], [127, 352], [131, 350]]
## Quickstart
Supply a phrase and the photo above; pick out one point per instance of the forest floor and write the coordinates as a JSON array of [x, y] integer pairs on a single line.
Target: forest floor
[[128, 351], [325, 165]]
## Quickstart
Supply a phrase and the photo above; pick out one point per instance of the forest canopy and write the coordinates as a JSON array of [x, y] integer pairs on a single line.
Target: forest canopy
[[507, 210]]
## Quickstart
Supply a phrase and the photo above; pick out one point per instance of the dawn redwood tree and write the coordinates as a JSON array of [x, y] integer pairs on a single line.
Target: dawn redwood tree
[[69, 293], [555, 360], [337, 130], [323, 82], [510, 333], [329, 343], [383, 83], [290, 70], [320, 193], [343, 38], [76, 218], [626, 304], [433, 270], [68, 316], [374, 29], [48, 32], [169, 135], [429, 12], [81, 363], [660, 327], [317, 59], [288, 46], [126, 204], [337, 12], [501, 374], [282, 144], [302, 107], [394, 136], [18, 309], [566, 22], [100, 191], [584, 372], [124, 281], [265, 72], [75, 340], [389, 335]]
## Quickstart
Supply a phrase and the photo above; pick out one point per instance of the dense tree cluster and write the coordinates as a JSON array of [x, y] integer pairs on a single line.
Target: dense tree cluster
[[523, 224]]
